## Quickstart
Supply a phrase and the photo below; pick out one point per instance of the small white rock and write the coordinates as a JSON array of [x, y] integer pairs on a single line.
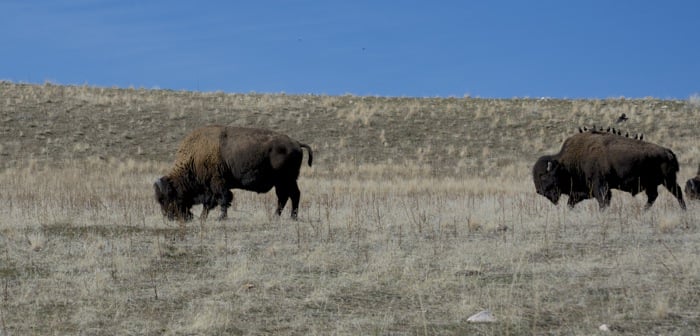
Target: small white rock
[[604, 327], [482, 316]]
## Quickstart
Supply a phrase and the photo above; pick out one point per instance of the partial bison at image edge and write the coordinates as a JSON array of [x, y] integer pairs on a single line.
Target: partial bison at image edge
[[692, 186], [590, 164], [214, 159]]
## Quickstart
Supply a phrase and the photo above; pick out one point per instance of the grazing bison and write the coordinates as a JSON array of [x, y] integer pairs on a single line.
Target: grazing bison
[[692, 186], [214, 159], [591, 164]]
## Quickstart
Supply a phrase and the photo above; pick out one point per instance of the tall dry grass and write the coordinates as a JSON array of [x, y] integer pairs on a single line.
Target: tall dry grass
[[85, 250]]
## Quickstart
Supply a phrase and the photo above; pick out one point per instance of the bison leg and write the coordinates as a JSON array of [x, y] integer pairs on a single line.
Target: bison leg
[[222, 199], [205, 212], [675, 189], [186, 215], [221, 196], [602, 193], [225, 203], [573, 200], [207, 204], [282, 197], [652, 194], [294, 193], [284, 192]]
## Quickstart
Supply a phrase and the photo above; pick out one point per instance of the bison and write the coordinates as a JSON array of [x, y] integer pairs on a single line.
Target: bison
[[212, 160], [692, 186], [591, 164]]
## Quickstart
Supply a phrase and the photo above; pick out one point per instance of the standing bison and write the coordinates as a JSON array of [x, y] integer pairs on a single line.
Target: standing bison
[[214, 159], [590, 164], [692, 186]]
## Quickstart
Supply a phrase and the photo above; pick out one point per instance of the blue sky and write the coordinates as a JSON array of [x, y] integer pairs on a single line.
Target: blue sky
[[504, 49]]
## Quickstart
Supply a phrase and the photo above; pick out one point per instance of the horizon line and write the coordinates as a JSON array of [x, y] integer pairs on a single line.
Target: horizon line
[[692, 98]]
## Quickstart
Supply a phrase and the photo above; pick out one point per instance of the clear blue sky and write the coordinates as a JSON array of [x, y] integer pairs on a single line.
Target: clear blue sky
[[561, 49]]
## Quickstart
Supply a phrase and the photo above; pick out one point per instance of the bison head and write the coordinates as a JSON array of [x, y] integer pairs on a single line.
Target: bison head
[[171, 205], [545, 177], [692, 188]]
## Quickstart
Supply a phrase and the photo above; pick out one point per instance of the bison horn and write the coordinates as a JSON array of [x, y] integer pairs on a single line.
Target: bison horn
[[549, 165], [159, 184]]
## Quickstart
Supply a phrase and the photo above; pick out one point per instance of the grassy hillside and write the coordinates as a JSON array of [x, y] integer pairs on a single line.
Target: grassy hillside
[[472, 137], [416, 214]]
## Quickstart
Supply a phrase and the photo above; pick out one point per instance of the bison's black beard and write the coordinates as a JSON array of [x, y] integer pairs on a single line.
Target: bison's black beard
[[176, 212], [553, 197]]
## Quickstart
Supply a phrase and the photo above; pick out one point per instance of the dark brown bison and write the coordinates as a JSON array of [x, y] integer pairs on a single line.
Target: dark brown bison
[[692, 186], [590, 164], [214, 159]]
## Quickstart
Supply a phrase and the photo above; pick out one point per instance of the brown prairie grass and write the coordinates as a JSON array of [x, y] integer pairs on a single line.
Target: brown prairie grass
[[396, 235]]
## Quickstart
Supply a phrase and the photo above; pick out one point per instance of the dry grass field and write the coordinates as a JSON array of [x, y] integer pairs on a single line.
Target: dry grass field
[[416, 214]]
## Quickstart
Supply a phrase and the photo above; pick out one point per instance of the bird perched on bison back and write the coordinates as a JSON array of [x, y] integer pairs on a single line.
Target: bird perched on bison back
[[590, 164], [214, 159]]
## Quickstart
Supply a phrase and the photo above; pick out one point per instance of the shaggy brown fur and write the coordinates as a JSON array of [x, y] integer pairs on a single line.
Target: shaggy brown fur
[[590, 164], [214, 159], [692, 186]]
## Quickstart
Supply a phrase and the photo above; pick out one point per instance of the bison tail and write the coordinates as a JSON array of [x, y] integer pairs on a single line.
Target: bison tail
[[670, 167], [311, 153], [674, 161]]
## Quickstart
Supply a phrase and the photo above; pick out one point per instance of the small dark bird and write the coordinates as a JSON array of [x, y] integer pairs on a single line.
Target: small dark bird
[[641, 137], [619, 132], [608, 130], [580, 130], [627, 135], [585, 129], [622, 118]]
